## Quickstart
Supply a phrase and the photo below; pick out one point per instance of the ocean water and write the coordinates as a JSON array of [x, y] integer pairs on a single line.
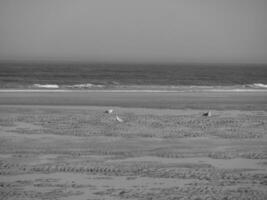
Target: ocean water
[[109, 76]]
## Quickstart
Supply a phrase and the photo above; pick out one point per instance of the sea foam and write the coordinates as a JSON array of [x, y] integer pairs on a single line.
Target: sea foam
[[47, 86], [259, 85], [86, 85]]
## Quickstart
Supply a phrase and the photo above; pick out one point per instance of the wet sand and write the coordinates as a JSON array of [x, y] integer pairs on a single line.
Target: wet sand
[[175, 100], [54, 148]]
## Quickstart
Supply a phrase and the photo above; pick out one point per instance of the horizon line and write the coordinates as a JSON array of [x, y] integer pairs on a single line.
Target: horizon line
[[62, 61]]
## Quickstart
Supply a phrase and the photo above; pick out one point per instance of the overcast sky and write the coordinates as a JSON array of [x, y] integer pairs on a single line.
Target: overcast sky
[[134, 30]]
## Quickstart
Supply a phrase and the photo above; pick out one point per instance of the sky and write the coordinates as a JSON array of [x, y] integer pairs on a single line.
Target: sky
[[134, 30]]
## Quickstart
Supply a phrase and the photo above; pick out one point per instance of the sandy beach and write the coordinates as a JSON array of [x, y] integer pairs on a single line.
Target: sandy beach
[[64, 146], [133, 100]]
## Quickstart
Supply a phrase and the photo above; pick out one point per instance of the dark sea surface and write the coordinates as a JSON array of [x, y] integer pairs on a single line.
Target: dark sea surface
[[87, 76]]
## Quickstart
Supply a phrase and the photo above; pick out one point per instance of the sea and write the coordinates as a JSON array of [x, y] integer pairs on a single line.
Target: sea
[[150, 77]]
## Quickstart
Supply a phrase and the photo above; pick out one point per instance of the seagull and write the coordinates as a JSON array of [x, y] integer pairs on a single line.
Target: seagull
[[109, 111], [207, 114], [118, 119]]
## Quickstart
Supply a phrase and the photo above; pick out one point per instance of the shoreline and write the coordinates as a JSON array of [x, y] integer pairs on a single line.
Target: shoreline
[[135, 90]]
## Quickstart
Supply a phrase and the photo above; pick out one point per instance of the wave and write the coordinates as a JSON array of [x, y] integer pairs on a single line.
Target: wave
[[258, 85], [194, 88], [84, 86], [76, 86], [47, 86]]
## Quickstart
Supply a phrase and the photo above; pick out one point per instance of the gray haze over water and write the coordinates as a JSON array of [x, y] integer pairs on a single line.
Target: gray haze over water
[[134, 31]]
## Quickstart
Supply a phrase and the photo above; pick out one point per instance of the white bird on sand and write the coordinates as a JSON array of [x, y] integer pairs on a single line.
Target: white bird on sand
[[118, 119]]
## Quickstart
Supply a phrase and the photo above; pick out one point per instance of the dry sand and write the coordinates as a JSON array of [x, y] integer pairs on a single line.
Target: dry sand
[[81, 152]]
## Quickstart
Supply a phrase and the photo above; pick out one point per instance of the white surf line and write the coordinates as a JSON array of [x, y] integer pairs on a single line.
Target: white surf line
[[93, 91], [30, 90], [131, 91], [236, 90]]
